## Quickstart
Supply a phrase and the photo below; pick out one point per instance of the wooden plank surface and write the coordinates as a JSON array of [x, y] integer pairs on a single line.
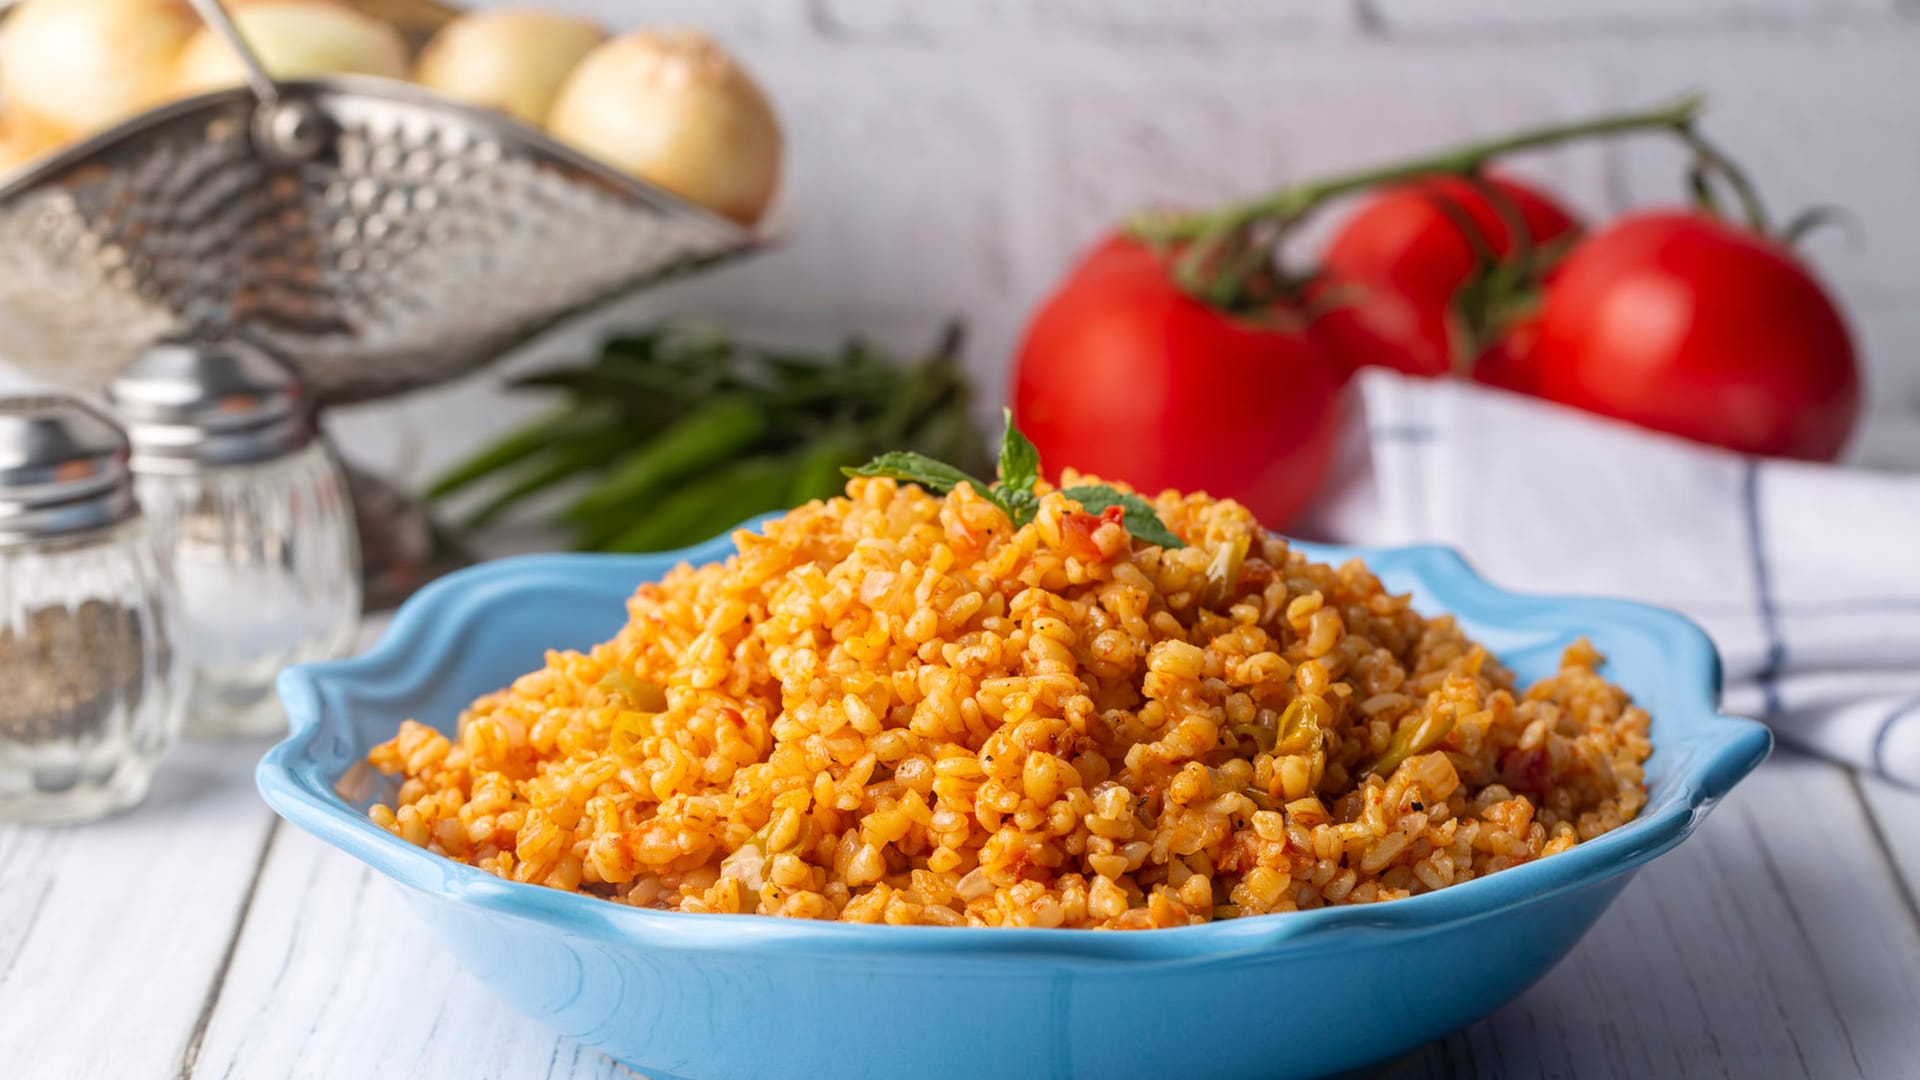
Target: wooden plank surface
[[1777, 942], [112, 933], [1896, 813], [335, 977]]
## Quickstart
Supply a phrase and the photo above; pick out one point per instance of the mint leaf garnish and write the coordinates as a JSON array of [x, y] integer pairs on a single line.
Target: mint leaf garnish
[[1014, 494], [935, 476], [916, 468], [1019, 460], [1142, 520]]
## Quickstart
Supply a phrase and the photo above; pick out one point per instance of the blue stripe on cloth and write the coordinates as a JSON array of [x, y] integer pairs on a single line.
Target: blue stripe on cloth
[[1905, 710], [1776, 661], [1414, 433]]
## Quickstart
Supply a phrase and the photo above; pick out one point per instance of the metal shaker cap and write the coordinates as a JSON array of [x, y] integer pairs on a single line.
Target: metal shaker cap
[[63, 470], [194, 405]]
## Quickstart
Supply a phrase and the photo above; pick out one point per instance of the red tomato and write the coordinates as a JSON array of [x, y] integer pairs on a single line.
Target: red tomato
[[1125, 376], [1688, 325], [1395, 267], [1509, 362]]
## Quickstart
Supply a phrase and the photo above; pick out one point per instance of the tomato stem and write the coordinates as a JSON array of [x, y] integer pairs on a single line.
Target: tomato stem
[[1290, 204], [1813, 217], [1713, 162]]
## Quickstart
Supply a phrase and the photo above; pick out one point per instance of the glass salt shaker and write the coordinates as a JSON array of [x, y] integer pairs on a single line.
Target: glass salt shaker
[[92, 685], [230, 470]]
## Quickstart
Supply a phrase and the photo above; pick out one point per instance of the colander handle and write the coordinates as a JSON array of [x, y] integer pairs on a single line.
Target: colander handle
[[215, 15], [285, 132]]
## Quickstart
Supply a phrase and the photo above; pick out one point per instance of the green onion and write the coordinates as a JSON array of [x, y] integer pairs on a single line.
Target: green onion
[[679, 427]]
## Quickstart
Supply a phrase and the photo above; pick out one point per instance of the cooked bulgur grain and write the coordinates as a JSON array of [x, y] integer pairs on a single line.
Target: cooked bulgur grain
[[895, 707]]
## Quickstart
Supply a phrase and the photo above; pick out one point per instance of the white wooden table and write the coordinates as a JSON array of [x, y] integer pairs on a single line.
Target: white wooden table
[[198, 937]]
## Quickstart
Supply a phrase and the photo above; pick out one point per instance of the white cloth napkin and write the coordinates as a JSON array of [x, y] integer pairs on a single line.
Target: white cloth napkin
[[1806, 576]]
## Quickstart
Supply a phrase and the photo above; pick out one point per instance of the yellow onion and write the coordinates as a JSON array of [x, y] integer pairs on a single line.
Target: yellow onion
[[295, 39], [24, 137], [82, 65], [514, 61], [673, 108]]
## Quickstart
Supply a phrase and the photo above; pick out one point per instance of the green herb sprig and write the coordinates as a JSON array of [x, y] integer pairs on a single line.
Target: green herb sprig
[[1013, 492]]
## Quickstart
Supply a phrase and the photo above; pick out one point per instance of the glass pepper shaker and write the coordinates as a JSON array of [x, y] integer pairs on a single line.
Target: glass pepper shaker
[[91, 683], [229, 467]]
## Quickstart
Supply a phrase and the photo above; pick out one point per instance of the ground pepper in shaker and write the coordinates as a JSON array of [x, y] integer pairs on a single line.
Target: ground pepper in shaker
[[91, 685], [229, 468]]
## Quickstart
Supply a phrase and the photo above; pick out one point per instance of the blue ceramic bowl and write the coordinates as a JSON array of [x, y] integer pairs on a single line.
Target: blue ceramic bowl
[[721, 997]]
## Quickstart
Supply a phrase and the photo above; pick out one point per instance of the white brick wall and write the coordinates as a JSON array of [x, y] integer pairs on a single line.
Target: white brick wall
[[1481, 15], [948, 156], [952, 155]]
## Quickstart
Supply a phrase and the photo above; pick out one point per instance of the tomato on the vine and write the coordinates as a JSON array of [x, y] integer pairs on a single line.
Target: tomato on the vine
[[1509, 362], [1683, 323], [1124, 375], [1395, 270]]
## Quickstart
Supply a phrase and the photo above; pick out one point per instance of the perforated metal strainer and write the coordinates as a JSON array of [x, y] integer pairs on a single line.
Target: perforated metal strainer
[[377, 236]]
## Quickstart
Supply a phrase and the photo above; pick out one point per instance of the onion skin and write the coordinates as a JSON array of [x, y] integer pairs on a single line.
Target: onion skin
[[513, 61], [25, 137], [84, 65], [295, 39], [674, 109]]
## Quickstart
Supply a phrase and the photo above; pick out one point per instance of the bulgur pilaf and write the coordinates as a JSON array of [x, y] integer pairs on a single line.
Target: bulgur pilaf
[[897, 707]]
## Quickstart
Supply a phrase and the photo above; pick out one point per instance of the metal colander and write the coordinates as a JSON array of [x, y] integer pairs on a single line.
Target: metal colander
[[374, 235], [377, 236]]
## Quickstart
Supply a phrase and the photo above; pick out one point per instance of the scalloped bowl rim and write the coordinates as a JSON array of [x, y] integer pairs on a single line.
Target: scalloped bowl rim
[[290, 780]]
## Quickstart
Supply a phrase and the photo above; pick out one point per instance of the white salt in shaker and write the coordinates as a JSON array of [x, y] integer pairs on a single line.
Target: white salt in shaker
[[92, 679], [255, 511]]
